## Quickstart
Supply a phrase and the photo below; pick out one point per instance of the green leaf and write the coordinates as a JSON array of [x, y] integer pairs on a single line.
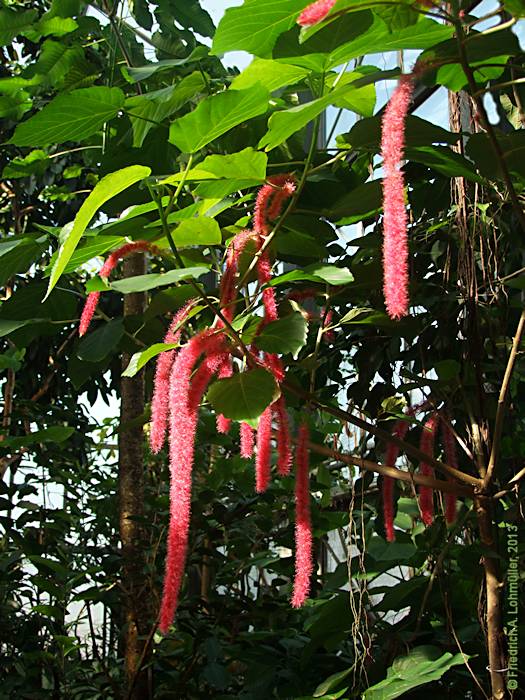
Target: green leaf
[[444, 160], [216, 115], [201, 230], [8, 326], [331, 682], [422, 665], [247, 165], [142, 283], [96, 346], [70, 117], [318, 272], [144, 72], [287, 122], [139, 359], [366, 133], [148, 110], [14, 23], [108, 187], [271, 74], [255, 26], [35, 163], [245, 395], [286, 335], [515, 7], [360, 203], [57, 433]]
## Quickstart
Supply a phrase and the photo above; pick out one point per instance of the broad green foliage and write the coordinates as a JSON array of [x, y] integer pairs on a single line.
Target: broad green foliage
[[124, 122]]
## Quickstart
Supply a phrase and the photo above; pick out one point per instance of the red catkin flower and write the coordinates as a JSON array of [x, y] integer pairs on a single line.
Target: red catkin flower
[[315, 12], [426, 493], [270, 201], [303, 522], [111, 262], [228, 292], [449, 442], [395, 242], [264, 451], [391, 455], [160, 399], [88, 312], [264, 273], [284, 448], [225, 371], [183, 426], [247, 440]]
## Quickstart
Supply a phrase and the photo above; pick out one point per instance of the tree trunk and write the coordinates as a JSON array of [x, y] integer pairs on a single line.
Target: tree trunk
[[494, 619], [136, 616]]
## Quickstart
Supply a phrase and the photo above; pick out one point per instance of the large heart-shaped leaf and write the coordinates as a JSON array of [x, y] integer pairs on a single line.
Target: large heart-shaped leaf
[[72, 116], [98, 345], [255, 26], [245, 395], [285, 335]]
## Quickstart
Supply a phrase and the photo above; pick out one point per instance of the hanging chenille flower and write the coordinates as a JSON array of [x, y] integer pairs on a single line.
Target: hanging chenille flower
[[185, 393], [426, 493], [395, 241], [303, 523], [93, 297], [392, 453]]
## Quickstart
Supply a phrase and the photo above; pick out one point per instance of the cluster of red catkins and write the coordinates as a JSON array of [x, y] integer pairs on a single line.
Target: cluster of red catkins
[[182, 377], [426, 445]]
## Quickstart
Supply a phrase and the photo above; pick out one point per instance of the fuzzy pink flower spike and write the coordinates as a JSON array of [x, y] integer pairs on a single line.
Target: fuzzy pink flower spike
[[270, 201], [303, 522], [184, 402], [392, 453], [160, 399], [395, 242], [247, 440], [264, 451], [226, 370], [284, 448], [451, 456], [88, 312], [426, 493], [315, 12], [111, 262]]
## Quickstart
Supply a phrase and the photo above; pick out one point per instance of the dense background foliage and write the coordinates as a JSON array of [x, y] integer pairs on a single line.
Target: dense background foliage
[[88, 90]]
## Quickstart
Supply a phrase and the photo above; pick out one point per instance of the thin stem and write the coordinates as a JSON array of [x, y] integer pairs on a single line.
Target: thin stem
[[502, 403], [381, 434], [393, 472]]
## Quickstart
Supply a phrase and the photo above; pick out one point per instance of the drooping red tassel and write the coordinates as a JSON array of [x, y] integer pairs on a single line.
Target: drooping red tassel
[[395, 241], [247, 440], [88, 312], [225, 371], [160, 399], [109, 265], [284, 448], [391, 455], [270, 201], [228, 292], [426, 493], [315, 12], [184, 400], [303, 522], [264, 451], [451, 456]]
